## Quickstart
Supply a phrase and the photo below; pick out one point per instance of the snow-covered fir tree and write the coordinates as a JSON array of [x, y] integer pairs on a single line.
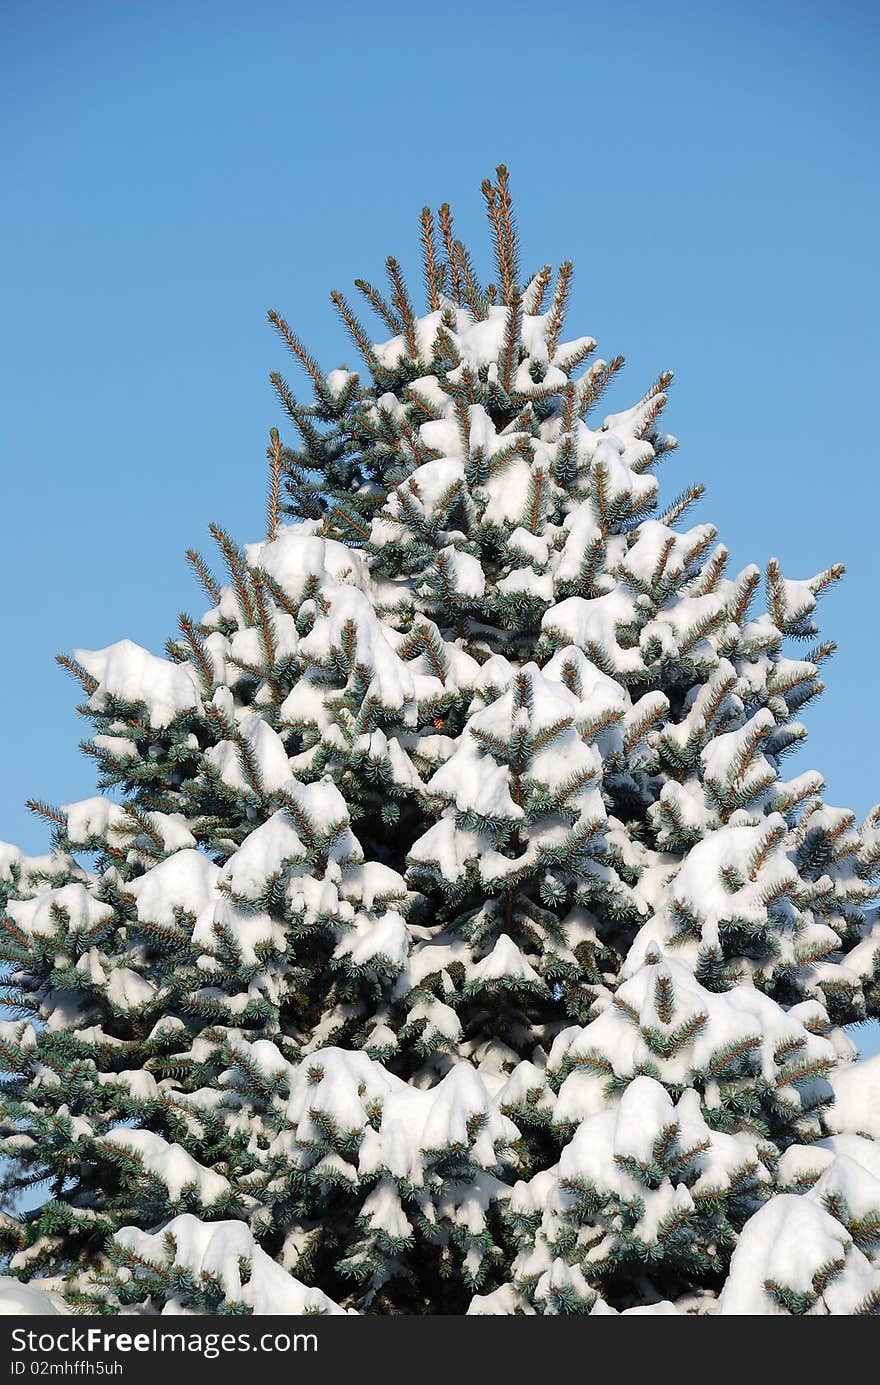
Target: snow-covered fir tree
[[448, 936]]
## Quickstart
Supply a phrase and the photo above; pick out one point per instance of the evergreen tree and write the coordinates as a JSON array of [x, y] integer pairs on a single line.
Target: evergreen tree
[[453, 941]]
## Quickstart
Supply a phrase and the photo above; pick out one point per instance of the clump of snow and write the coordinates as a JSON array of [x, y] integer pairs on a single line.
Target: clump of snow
[[42, 916], [794, 1256], [856, 1106], [20, 1300], [130, 674], [224, 1253], [170, 1164]]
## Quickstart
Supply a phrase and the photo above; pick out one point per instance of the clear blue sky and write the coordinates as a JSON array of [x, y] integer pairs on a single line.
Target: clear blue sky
[[172, 169]]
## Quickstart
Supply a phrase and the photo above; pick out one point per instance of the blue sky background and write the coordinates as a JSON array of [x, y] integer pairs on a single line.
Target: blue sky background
[[173, 169]]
